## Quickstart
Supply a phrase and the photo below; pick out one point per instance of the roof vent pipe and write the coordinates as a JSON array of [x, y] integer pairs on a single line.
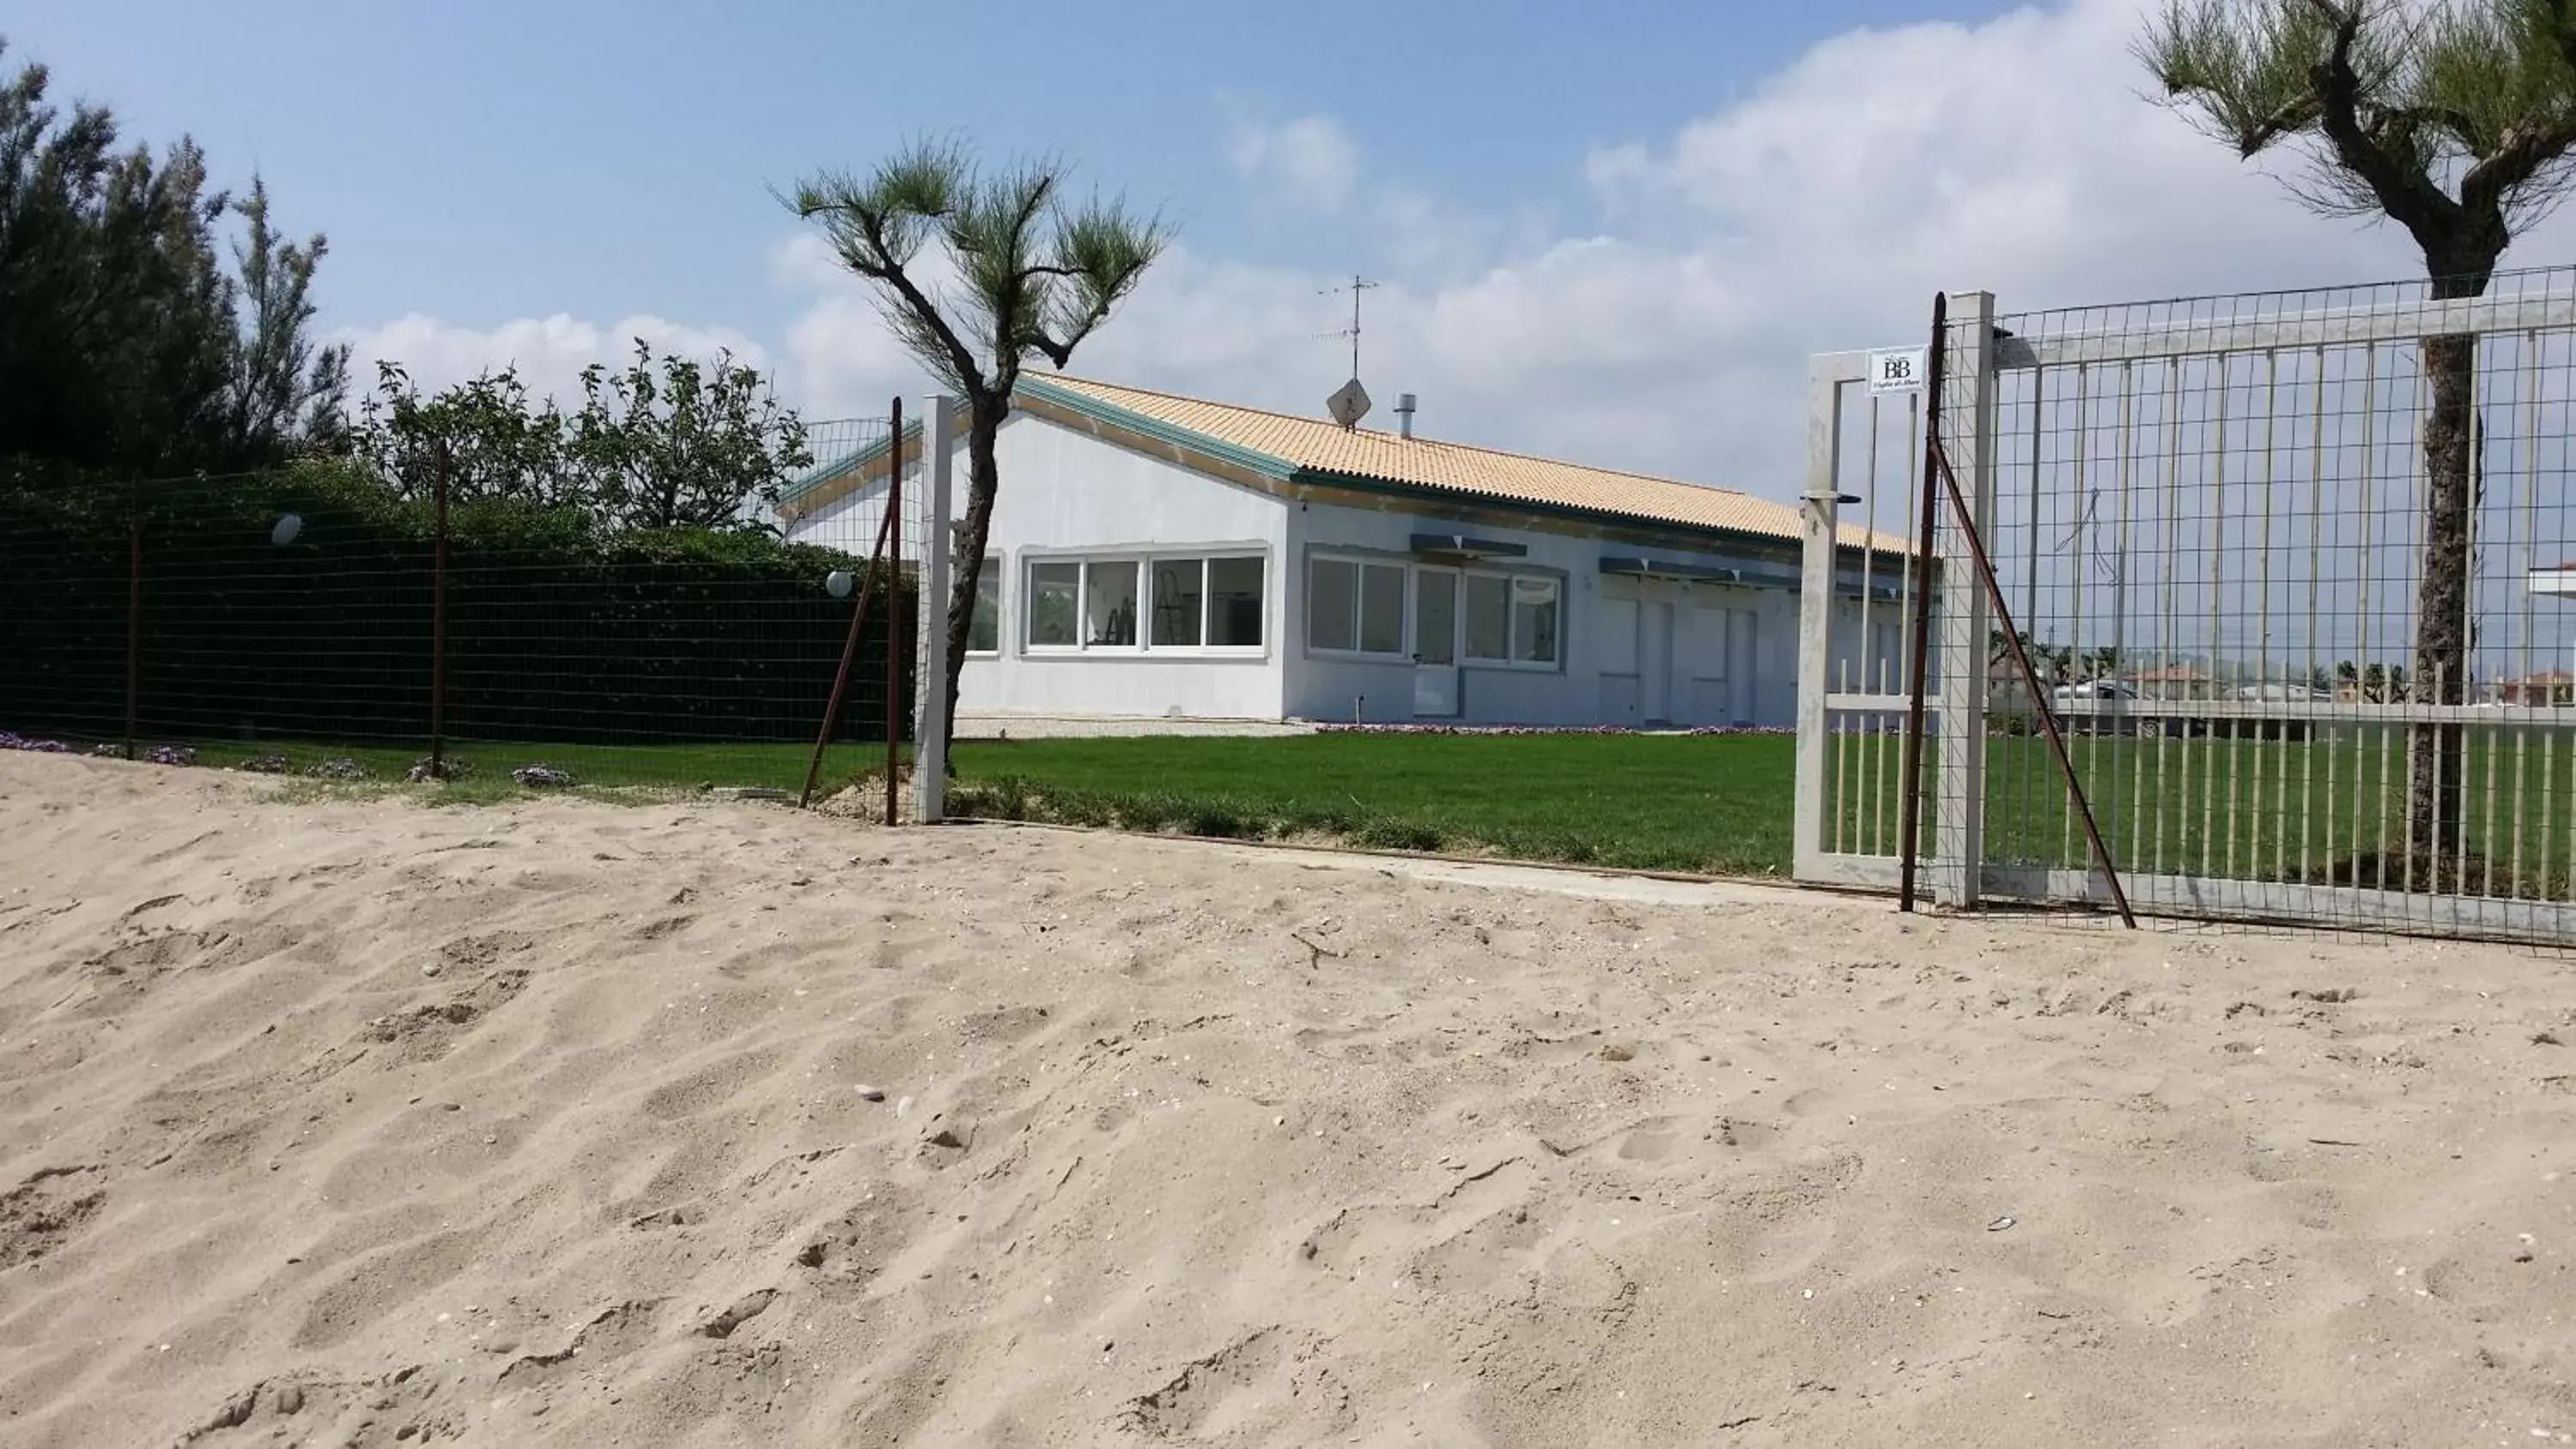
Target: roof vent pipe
[[1404, 415]]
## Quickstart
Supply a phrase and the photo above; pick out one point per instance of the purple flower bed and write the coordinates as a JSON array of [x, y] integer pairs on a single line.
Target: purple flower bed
[[9, 741], [542, 777], [1444, 729]]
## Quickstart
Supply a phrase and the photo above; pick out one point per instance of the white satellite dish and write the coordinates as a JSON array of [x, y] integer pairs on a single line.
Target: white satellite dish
[[1348, 405]]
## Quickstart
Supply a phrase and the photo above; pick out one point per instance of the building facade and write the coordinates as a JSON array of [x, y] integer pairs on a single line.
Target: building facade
[[1161, 557]]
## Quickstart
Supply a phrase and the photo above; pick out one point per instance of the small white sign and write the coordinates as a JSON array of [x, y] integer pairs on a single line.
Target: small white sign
[[1899, 369]]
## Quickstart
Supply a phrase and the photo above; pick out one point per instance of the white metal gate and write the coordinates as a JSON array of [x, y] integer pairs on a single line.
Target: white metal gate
[[2216, 526]]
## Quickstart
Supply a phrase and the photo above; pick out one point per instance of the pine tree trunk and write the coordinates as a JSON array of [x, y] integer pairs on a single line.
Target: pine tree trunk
[[2442, 643], [983, 481]]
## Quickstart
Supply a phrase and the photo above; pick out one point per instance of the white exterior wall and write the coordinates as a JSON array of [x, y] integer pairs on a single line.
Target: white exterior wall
[[1064, 494], [1711, 679], [1749, 678]]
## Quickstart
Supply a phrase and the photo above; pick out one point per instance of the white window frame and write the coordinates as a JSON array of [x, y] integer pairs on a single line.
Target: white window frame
[[1359, 562], [1511, 622], [1082, 604], [1208, 559], [1029, 565], [1144, 560], [1411, 569]]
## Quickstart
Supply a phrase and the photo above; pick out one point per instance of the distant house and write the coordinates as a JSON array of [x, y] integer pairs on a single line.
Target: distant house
[[1157, 556], [2557, 580], [2546, 688], [2005, 691], [2174, 681]]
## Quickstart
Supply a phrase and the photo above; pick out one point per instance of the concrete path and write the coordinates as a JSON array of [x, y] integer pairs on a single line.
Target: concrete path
[[1576, 881], [1071, 727]]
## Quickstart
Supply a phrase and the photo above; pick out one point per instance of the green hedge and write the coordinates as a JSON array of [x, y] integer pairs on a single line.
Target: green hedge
[[555, 631]]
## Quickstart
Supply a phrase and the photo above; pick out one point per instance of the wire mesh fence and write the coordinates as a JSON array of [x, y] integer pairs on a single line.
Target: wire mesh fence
[[2287, 556], [315, 621], [2293, 571]]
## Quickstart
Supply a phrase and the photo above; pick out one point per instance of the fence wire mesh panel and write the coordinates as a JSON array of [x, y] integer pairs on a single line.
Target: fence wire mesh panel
[[308, 621], [2294, 571]]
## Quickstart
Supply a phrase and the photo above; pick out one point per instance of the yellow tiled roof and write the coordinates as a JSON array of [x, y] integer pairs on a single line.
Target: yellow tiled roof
[[1326, 446]]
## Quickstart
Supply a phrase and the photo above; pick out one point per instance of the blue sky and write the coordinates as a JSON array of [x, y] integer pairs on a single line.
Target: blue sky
[[481, 161], [1612, 236]]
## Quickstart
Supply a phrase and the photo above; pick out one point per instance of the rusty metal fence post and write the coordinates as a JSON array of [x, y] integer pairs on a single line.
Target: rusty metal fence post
[[1909, 829], [1972, 534]]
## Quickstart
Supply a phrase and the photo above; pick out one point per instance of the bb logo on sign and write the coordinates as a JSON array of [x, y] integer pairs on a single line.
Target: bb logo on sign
[[1898, 370]]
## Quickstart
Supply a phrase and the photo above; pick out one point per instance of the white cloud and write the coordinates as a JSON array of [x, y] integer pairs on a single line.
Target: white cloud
[[1820, 210], [549, 352], [2017, 154], [838, 360], [1308, 162]]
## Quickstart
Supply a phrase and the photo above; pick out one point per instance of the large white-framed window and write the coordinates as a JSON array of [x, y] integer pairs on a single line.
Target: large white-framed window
[[1110, 595], [1180, 603], [1514, 619], [1197, 603], [1238, 601], [1355, 606], [984, 630], [1538, 604]]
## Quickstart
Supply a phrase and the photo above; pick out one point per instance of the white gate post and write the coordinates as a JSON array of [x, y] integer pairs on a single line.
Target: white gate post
[[1967, 405], [930, 686], [1816, 613]]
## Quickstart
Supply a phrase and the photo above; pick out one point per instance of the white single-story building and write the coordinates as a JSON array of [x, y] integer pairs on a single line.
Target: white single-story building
[[1155, 556]]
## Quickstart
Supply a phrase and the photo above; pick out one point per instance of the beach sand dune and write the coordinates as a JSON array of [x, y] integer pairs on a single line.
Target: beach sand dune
[[713, 1124]]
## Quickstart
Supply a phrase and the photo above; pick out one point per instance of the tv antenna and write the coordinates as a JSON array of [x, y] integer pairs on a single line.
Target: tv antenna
[[1358, 284]]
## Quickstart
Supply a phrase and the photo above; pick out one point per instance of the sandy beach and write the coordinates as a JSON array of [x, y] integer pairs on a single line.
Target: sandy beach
[[345, 1122]]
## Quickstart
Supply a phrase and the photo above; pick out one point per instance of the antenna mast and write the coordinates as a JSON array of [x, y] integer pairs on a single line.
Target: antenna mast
[[1350, 402], [1358, 284]]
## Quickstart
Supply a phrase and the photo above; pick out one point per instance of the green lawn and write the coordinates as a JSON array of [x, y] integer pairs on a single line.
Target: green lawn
[[1718, 804], [2322, 809], [1712, 803], [2332, 808]]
